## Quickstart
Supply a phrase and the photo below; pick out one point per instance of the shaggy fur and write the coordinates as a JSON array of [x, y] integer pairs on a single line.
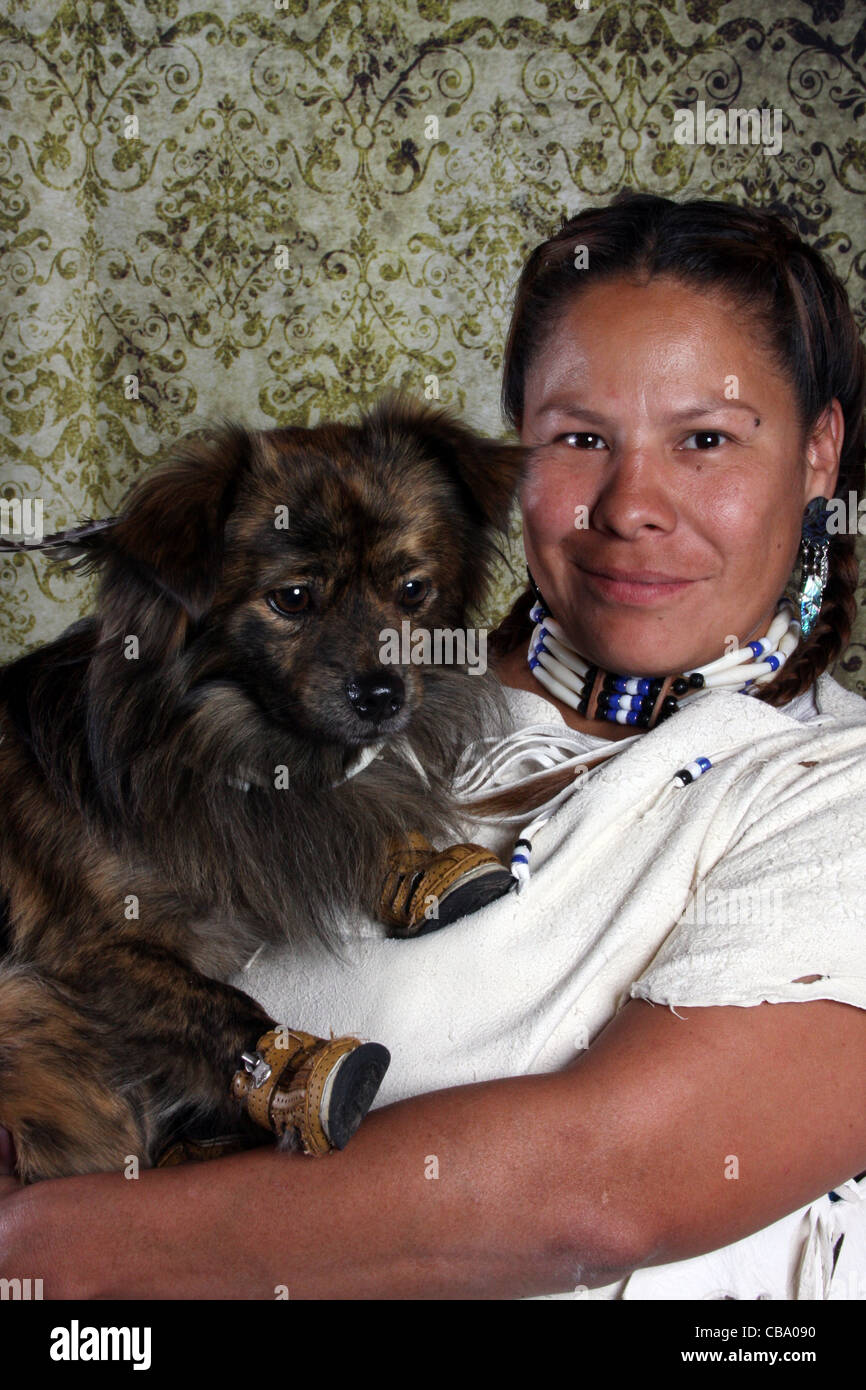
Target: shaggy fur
[[134, 865]]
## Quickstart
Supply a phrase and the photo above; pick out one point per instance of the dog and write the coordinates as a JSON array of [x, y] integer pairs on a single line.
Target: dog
[[217, 759]]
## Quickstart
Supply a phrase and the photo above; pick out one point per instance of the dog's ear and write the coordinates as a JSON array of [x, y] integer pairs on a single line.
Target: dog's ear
[[487, 471], [170, 532]]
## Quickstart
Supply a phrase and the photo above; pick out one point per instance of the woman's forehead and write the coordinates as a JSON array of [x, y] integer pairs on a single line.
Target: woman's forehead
[[662, 342]]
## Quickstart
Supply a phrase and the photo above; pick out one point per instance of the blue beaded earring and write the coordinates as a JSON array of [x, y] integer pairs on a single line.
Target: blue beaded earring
[[814, 559]]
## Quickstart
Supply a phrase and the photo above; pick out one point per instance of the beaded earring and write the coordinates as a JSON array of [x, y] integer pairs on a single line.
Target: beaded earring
[[815, 561]]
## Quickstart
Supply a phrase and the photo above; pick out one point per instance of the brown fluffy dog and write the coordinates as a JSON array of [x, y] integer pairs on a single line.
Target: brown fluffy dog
[[173, 767]]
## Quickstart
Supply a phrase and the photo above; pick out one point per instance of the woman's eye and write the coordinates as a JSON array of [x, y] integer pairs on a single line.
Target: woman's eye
[[413, 592], [291, 601], [581, 437], [712, 435]]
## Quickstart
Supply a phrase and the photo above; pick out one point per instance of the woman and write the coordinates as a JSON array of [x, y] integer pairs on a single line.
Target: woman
[[642, 1075]]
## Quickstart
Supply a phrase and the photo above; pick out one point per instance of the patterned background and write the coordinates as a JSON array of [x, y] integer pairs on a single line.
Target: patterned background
[[156, 155]]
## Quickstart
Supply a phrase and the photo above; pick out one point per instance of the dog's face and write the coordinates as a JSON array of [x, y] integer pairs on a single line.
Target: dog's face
[[304, 566], [330, 550]]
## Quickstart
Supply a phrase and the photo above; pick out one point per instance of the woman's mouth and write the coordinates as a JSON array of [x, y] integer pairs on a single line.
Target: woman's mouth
[[635, 587]]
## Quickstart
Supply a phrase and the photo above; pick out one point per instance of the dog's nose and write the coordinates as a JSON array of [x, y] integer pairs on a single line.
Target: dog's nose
[[377, 696]]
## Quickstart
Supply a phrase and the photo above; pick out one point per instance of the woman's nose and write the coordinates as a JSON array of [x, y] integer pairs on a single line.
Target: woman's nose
[[634, 494]]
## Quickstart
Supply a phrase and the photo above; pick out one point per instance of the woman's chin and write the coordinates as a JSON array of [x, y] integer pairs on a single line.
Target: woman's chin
[[640, 657]]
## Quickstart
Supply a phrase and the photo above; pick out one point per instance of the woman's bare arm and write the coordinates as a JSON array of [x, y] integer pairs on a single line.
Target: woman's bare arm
[[544, 1182]]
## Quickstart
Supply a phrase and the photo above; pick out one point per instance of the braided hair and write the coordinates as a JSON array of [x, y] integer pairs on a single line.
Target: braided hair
[[787, 291]]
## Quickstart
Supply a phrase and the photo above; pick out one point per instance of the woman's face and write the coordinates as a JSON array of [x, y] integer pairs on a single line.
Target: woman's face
[[664, 498]]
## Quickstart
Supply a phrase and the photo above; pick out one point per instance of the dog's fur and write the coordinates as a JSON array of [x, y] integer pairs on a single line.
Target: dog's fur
[[134, 866]]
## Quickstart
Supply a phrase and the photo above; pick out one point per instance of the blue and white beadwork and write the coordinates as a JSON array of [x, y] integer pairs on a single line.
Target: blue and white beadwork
[[692, 771], [634, 700]]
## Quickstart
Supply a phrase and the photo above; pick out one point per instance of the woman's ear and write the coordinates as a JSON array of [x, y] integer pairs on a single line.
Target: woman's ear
[[169, 535], [823, 451]]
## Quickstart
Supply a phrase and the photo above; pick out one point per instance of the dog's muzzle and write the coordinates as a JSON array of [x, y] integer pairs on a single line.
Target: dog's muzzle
[[376, 697]]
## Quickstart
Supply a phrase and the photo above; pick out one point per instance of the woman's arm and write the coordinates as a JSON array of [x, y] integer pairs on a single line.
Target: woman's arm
[[544, 1182]]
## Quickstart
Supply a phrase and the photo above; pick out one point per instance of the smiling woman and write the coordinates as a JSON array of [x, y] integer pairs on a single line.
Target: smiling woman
[[696, 505], [691, 390], [642, 1075]]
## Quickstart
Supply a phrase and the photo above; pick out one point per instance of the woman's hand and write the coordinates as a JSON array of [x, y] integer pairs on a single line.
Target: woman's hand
[[44, 1232], [15, 1256]]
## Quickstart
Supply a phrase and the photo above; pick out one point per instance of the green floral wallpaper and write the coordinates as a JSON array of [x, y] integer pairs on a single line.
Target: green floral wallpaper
[[275, 209]]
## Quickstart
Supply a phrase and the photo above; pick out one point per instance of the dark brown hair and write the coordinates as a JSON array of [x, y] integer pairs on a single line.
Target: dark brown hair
[[790, 294]]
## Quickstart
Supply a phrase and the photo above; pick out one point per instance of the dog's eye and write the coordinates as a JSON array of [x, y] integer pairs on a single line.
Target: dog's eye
[[414, 592], [290, 602]]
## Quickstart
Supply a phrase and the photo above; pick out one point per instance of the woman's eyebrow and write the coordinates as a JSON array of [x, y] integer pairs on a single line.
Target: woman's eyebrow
[[575, 409], [710, 406], [704, 407]]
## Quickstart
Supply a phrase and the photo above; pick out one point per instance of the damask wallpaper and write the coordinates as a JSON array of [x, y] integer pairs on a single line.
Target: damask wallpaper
[[275, 209]]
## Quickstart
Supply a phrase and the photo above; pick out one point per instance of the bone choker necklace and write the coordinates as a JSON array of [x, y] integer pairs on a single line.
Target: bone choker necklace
[[646, 701]]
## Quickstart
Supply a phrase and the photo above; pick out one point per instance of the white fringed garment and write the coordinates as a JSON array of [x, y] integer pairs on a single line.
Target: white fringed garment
[[725, 892]]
